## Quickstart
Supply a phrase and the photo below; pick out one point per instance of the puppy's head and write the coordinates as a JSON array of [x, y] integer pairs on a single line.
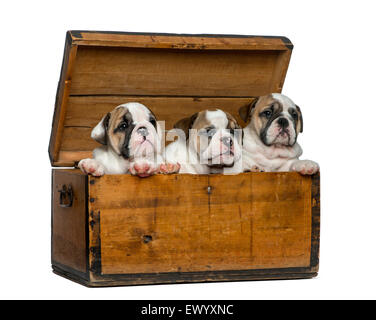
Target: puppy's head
[[275, 118], [213, 136], [130, 130]]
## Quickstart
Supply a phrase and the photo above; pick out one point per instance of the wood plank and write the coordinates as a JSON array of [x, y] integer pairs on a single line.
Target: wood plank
[[76, 139], [280, 71], [187, 277], [271, 212], [87, 111], [143, 233], [62, 95], [315, 241], [69, 158], [180, 41], [69, 224], [249, 221], [133, 71]]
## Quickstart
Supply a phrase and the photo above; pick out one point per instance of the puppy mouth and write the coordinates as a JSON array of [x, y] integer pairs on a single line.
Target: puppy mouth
[[227, 153], [222, 163], [283, 135], [146, 141], [144, 144], [219, 166], [125, 151]]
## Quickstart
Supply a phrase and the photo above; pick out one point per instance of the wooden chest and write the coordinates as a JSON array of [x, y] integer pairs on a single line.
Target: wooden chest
[[123, 230]]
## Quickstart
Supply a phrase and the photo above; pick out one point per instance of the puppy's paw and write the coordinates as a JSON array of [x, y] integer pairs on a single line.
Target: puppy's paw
[[306, 167], [91, 166], [256, 169], [168, 168], [143, 168]]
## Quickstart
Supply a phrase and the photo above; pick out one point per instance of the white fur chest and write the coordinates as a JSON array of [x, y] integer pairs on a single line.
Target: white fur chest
[[272, 158], [112, 163]]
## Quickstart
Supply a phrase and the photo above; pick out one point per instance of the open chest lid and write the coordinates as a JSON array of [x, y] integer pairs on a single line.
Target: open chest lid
[[174, 75]]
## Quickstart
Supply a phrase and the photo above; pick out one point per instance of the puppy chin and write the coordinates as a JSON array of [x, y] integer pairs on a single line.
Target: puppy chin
[[223, 160], [281, 141], [221, 165]]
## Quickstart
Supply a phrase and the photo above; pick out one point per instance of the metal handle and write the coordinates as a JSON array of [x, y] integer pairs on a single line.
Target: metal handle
[[66, 193]]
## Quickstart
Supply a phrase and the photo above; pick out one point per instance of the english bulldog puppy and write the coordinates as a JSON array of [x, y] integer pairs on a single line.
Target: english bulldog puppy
[[269, 142], [131, 139], [208, 142]]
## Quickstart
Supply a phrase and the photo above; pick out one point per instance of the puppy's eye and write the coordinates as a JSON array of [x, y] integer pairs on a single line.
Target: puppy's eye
[[267, 113], [210, 132], [123, 125], [294, 114], [153, 122]]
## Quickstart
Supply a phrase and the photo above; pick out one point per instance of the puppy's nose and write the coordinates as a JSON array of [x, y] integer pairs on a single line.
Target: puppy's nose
[[227, 141], [143, 131], [283, 122]]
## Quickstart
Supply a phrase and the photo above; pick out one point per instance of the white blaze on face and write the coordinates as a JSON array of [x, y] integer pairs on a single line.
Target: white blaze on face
[[144, 141], [283, 135], [222, 148]]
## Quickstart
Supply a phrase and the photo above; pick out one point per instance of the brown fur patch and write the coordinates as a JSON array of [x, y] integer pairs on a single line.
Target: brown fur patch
[[186, 124], [300, 121], [232, 123], [245, 111], [263, 103], [116, 139]]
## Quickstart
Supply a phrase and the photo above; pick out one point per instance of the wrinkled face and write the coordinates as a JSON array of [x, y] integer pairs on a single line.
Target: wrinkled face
[[130, 130], [275, 118], [215, 136]]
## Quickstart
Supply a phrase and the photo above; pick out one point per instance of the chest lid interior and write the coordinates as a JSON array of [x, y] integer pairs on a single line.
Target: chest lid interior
[[174, 75]]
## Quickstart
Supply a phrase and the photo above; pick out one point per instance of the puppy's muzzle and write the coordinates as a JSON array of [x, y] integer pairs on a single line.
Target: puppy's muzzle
[[227, 141]]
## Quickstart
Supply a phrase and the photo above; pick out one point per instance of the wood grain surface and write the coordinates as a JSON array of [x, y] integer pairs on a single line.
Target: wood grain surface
[[174, 224], [69, 224], [179, 41], [125, 71]]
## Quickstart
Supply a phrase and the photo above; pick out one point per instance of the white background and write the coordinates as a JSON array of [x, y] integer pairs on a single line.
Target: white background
[[331, 76]]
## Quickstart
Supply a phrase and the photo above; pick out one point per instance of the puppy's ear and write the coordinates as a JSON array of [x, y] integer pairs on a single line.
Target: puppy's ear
[[232, 123], [245, 111], [186, 124], [99, 133], [300, 121], [152, 113]]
